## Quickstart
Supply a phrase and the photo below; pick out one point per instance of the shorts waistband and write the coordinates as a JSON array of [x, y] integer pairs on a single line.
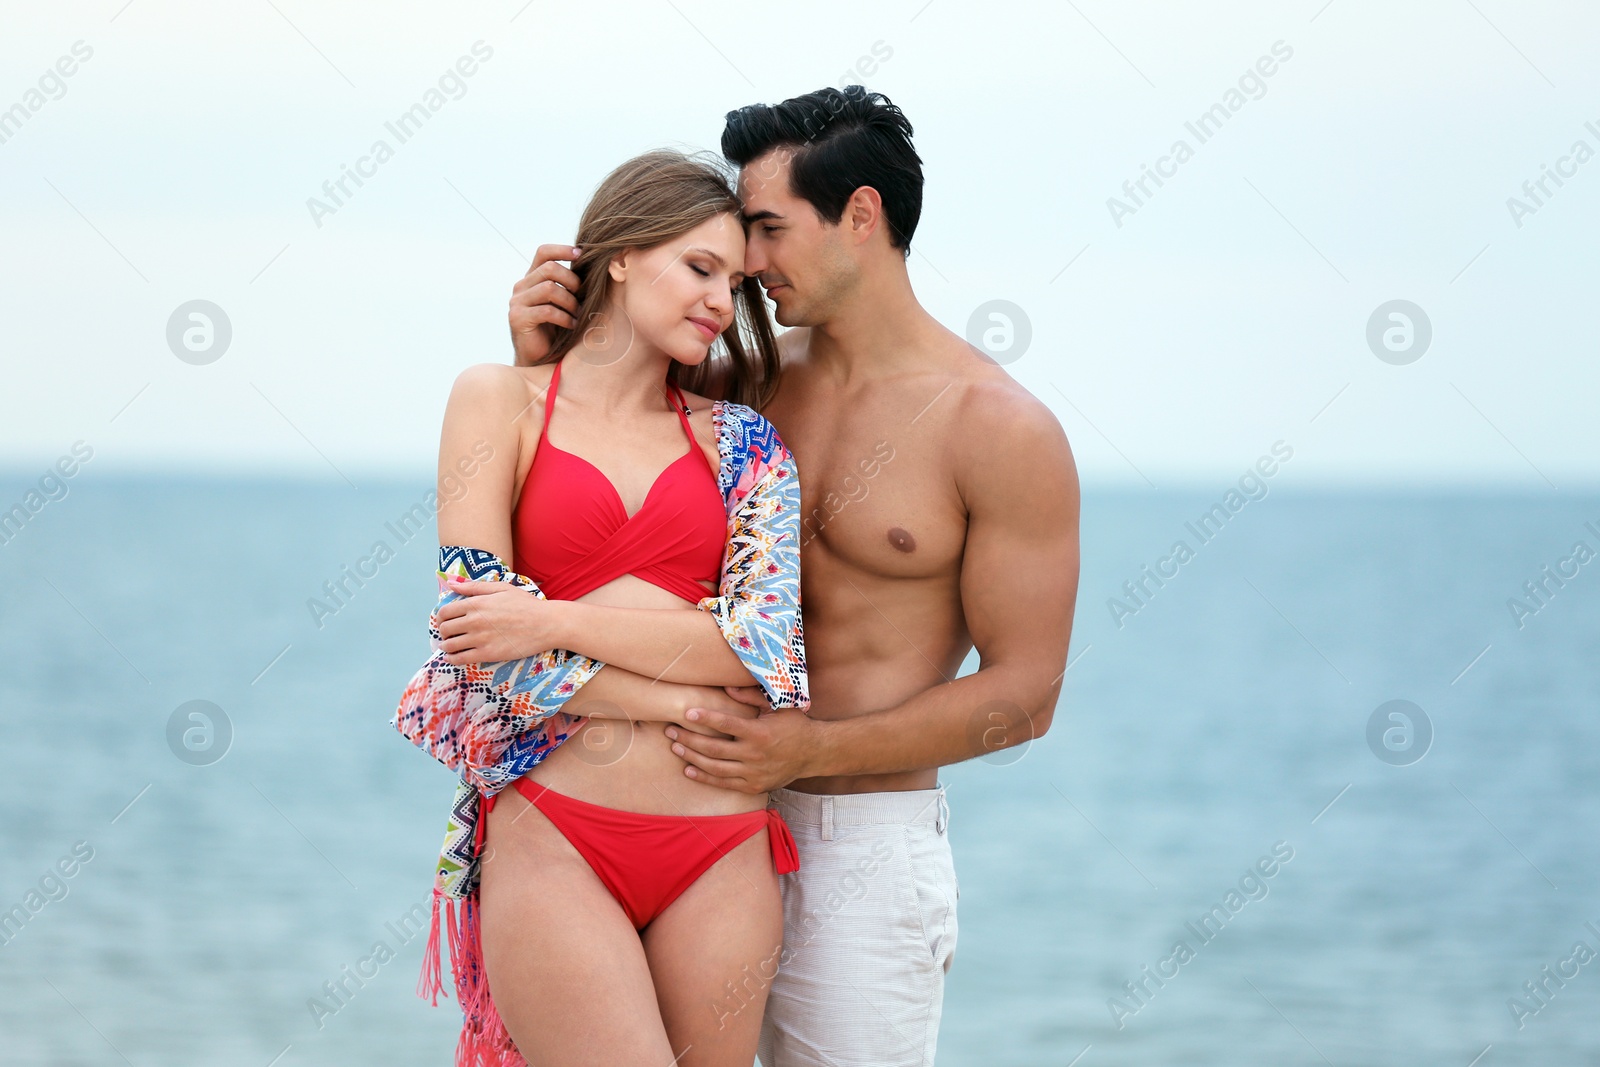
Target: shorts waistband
[[831, 811]]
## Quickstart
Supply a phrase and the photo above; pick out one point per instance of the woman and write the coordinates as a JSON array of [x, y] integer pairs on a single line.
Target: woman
[[624, 899]]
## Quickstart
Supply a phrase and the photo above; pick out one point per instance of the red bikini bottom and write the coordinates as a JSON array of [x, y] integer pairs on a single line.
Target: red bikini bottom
[[647, 861]]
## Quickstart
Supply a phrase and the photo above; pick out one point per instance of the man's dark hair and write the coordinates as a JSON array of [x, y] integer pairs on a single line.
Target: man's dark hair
[[842, 139]]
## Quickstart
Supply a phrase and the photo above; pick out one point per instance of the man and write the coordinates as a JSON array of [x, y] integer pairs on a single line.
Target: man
[[940, 504]]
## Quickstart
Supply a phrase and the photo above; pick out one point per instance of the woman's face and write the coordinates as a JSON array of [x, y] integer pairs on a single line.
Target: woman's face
[[678, 296]]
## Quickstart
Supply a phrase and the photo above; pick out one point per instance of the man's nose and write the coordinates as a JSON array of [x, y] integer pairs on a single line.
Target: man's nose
[[754, 261]]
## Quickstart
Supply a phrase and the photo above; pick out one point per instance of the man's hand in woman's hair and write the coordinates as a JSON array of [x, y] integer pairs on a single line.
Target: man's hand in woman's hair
[[543, 299]]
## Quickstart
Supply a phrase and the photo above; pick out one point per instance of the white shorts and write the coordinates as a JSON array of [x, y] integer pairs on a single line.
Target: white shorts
[[869, 927]]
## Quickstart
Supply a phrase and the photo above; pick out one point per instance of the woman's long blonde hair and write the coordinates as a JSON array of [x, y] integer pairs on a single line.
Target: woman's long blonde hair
[[650, 199]]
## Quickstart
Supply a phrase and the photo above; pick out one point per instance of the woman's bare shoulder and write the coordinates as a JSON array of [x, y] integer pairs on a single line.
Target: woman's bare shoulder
[[496, 387]]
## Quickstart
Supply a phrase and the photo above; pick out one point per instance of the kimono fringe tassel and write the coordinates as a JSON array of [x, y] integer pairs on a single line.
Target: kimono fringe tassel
[[484, 1041]]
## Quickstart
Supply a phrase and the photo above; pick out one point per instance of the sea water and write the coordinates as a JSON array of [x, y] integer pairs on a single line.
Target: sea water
[[244, 887]]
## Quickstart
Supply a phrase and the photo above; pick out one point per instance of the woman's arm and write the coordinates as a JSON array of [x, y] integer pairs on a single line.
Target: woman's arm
[[478, 458], [477, 471], [750, 632], [615, 693], [483, 720], [668, 644]]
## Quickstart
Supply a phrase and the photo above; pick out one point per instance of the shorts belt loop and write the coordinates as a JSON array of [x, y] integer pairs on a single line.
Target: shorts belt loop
[[827, 818], [944, 813]]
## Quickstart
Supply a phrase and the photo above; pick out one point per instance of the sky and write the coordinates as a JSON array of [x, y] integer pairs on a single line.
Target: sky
[[1336, 262]]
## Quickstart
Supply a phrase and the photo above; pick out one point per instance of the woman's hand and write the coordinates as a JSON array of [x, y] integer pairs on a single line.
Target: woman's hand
[[494, 621]]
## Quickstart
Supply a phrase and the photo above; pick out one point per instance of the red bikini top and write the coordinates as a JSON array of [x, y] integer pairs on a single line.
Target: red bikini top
[[571, 533]]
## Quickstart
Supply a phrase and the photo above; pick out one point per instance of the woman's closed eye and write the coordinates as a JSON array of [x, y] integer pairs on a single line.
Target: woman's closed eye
[[734, 288]]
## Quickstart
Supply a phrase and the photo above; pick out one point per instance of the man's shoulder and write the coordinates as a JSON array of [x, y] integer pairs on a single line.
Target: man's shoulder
[[990, 403], [1008, 437], [993, 402]]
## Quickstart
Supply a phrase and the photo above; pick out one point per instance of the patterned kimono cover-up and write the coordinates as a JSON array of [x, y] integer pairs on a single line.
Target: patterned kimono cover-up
[[492, 722]]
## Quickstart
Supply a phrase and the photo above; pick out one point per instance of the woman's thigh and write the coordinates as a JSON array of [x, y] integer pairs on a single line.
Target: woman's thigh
[[567, 970], [713, 953]]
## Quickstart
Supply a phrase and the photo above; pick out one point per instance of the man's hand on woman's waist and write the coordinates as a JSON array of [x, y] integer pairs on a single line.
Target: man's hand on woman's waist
[[760, 754]]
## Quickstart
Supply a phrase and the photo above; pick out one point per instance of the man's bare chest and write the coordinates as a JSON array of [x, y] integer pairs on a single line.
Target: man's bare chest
[[877, 489]]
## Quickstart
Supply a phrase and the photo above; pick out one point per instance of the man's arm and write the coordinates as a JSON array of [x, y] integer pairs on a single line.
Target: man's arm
[[1019, 585]]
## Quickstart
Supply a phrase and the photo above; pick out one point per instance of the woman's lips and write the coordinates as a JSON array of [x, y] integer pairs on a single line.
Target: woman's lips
[[705, 327]]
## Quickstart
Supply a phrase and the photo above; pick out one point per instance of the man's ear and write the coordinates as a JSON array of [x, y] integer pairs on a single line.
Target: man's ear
[[863, 213]]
